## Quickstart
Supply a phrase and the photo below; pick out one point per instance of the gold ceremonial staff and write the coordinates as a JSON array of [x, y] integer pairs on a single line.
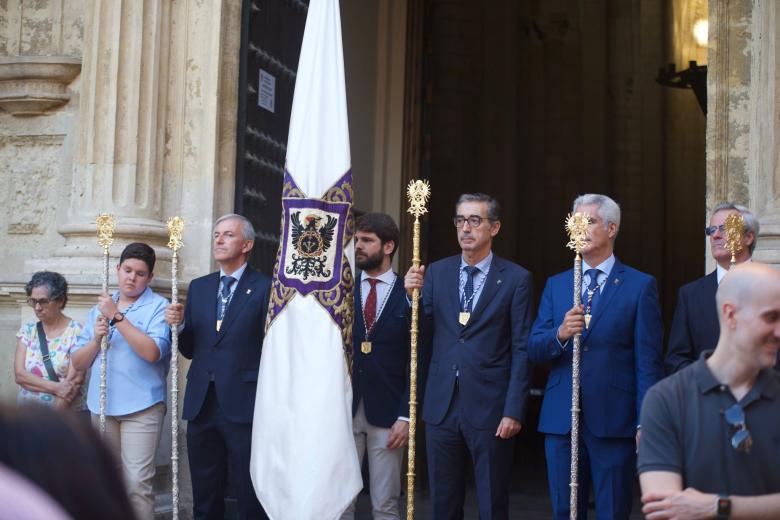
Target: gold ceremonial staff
[[418, 193], [175, 230], [735, 232], [106, 223], [577, 227]]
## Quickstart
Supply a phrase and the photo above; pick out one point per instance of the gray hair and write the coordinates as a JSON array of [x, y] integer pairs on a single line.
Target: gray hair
[[55, 283], [609, 210], [247, 229], [751, 222], [493, 207]]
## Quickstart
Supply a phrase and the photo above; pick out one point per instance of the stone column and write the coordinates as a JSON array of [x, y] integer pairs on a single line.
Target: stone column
[[743, 141], [120, 130]]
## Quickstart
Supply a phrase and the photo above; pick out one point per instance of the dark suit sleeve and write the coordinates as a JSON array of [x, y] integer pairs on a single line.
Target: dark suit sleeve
[[648, 342], [543, 344], [521, 311], [187, 335], [680, 350]]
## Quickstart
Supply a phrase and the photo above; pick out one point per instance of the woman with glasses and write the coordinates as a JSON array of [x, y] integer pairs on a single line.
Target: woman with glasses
[[44, 346]]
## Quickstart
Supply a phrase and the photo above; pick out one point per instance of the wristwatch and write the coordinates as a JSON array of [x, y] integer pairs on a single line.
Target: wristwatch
[[116, 319], [724, 508]]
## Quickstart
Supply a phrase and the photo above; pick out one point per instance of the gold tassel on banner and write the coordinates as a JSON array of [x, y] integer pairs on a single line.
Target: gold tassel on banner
[[418, 193], [175, 231], [577, 227], [106, 224], [735, 233]]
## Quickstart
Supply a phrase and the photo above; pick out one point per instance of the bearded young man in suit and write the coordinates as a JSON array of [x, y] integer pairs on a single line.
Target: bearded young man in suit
[[621, 357], [380, 368], [221, 330], [695, 325], [476, 315]]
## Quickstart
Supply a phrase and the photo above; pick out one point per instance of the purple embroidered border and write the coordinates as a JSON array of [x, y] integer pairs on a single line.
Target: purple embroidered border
[[335, 296]]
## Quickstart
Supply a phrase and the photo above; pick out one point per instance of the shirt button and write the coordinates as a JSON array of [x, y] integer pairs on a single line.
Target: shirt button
[[722, 388]]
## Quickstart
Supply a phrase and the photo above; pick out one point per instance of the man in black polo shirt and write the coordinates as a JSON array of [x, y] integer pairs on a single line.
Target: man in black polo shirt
[[710, 444]]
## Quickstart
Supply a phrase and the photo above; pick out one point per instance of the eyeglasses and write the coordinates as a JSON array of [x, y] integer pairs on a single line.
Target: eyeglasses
[[43, 302], [710, 230], [741, 441], [473, 220]]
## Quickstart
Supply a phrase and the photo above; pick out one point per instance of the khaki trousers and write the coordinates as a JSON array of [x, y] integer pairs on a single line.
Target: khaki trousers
[[133, 438], [384, 468]]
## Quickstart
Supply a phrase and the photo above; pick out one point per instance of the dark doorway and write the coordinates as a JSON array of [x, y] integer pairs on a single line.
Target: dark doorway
[[271, 36], [536, 102]]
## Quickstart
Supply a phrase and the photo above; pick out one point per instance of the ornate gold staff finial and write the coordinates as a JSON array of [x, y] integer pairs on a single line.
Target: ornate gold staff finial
[[735, 233], [418, 193], [175, 231], [577, 227], [106, 224]]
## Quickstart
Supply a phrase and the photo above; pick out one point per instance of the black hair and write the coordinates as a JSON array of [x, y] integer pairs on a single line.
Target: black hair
[[139, 251], [55, 283], [66, 458], [382, 225]]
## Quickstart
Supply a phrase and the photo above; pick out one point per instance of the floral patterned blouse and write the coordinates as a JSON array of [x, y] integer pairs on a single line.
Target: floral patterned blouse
[[59, 351]]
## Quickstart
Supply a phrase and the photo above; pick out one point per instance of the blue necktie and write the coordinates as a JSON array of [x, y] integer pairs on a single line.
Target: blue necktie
[[468, 289], [227, 283], [593, 286]]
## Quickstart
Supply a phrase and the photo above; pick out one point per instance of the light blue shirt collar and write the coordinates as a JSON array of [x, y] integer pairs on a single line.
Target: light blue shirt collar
[[236, 274], [605, 266], [483, 265]]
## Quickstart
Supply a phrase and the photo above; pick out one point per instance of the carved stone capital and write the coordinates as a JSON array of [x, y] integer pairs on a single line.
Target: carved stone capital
[[32, 85]]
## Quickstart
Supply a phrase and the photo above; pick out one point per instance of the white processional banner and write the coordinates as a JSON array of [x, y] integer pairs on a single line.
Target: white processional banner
[[304, 464]]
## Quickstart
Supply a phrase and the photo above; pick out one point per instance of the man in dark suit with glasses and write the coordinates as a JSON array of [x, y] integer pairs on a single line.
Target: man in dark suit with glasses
[[711, 433], [695, 323]]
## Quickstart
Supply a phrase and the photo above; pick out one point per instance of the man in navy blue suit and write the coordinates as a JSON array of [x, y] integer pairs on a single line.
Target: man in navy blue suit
[[380, 380], [221, 331], [695, 325], [476, 310], [621, 357]]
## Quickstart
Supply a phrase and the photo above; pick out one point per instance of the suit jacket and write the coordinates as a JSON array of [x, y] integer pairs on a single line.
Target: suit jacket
[[381, 378], [695, 326], [621, 353], [488, 354], [231, 355]]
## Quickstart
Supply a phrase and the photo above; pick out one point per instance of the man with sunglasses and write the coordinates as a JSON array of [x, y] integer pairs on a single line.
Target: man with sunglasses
[[476, 316], [695, 323], [711, 432]]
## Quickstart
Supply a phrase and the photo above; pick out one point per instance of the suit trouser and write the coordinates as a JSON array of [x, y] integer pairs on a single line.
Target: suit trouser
[[134, 438], [609, 463], [384, 468], [216, 445], [448, 445]]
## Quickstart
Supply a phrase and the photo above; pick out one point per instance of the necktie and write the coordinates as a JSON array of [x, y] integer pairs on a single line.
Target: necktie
[[227, 283], [594, 288], [369, 311], [468, 289]]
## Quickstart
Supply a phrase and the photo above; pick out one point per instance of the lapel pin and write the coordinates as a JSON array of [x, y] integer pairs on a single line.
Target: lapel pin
[[498, 282], [249, 291], [617, 281]]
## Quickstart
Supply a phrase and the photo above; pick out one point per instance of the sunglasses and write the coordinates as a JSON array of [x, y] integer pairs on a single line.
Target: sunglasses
[[741, 441]]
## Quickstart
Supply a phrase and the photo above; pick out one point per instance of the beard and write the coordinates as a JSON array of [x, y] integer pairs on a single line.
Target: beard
[[369, 263]]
